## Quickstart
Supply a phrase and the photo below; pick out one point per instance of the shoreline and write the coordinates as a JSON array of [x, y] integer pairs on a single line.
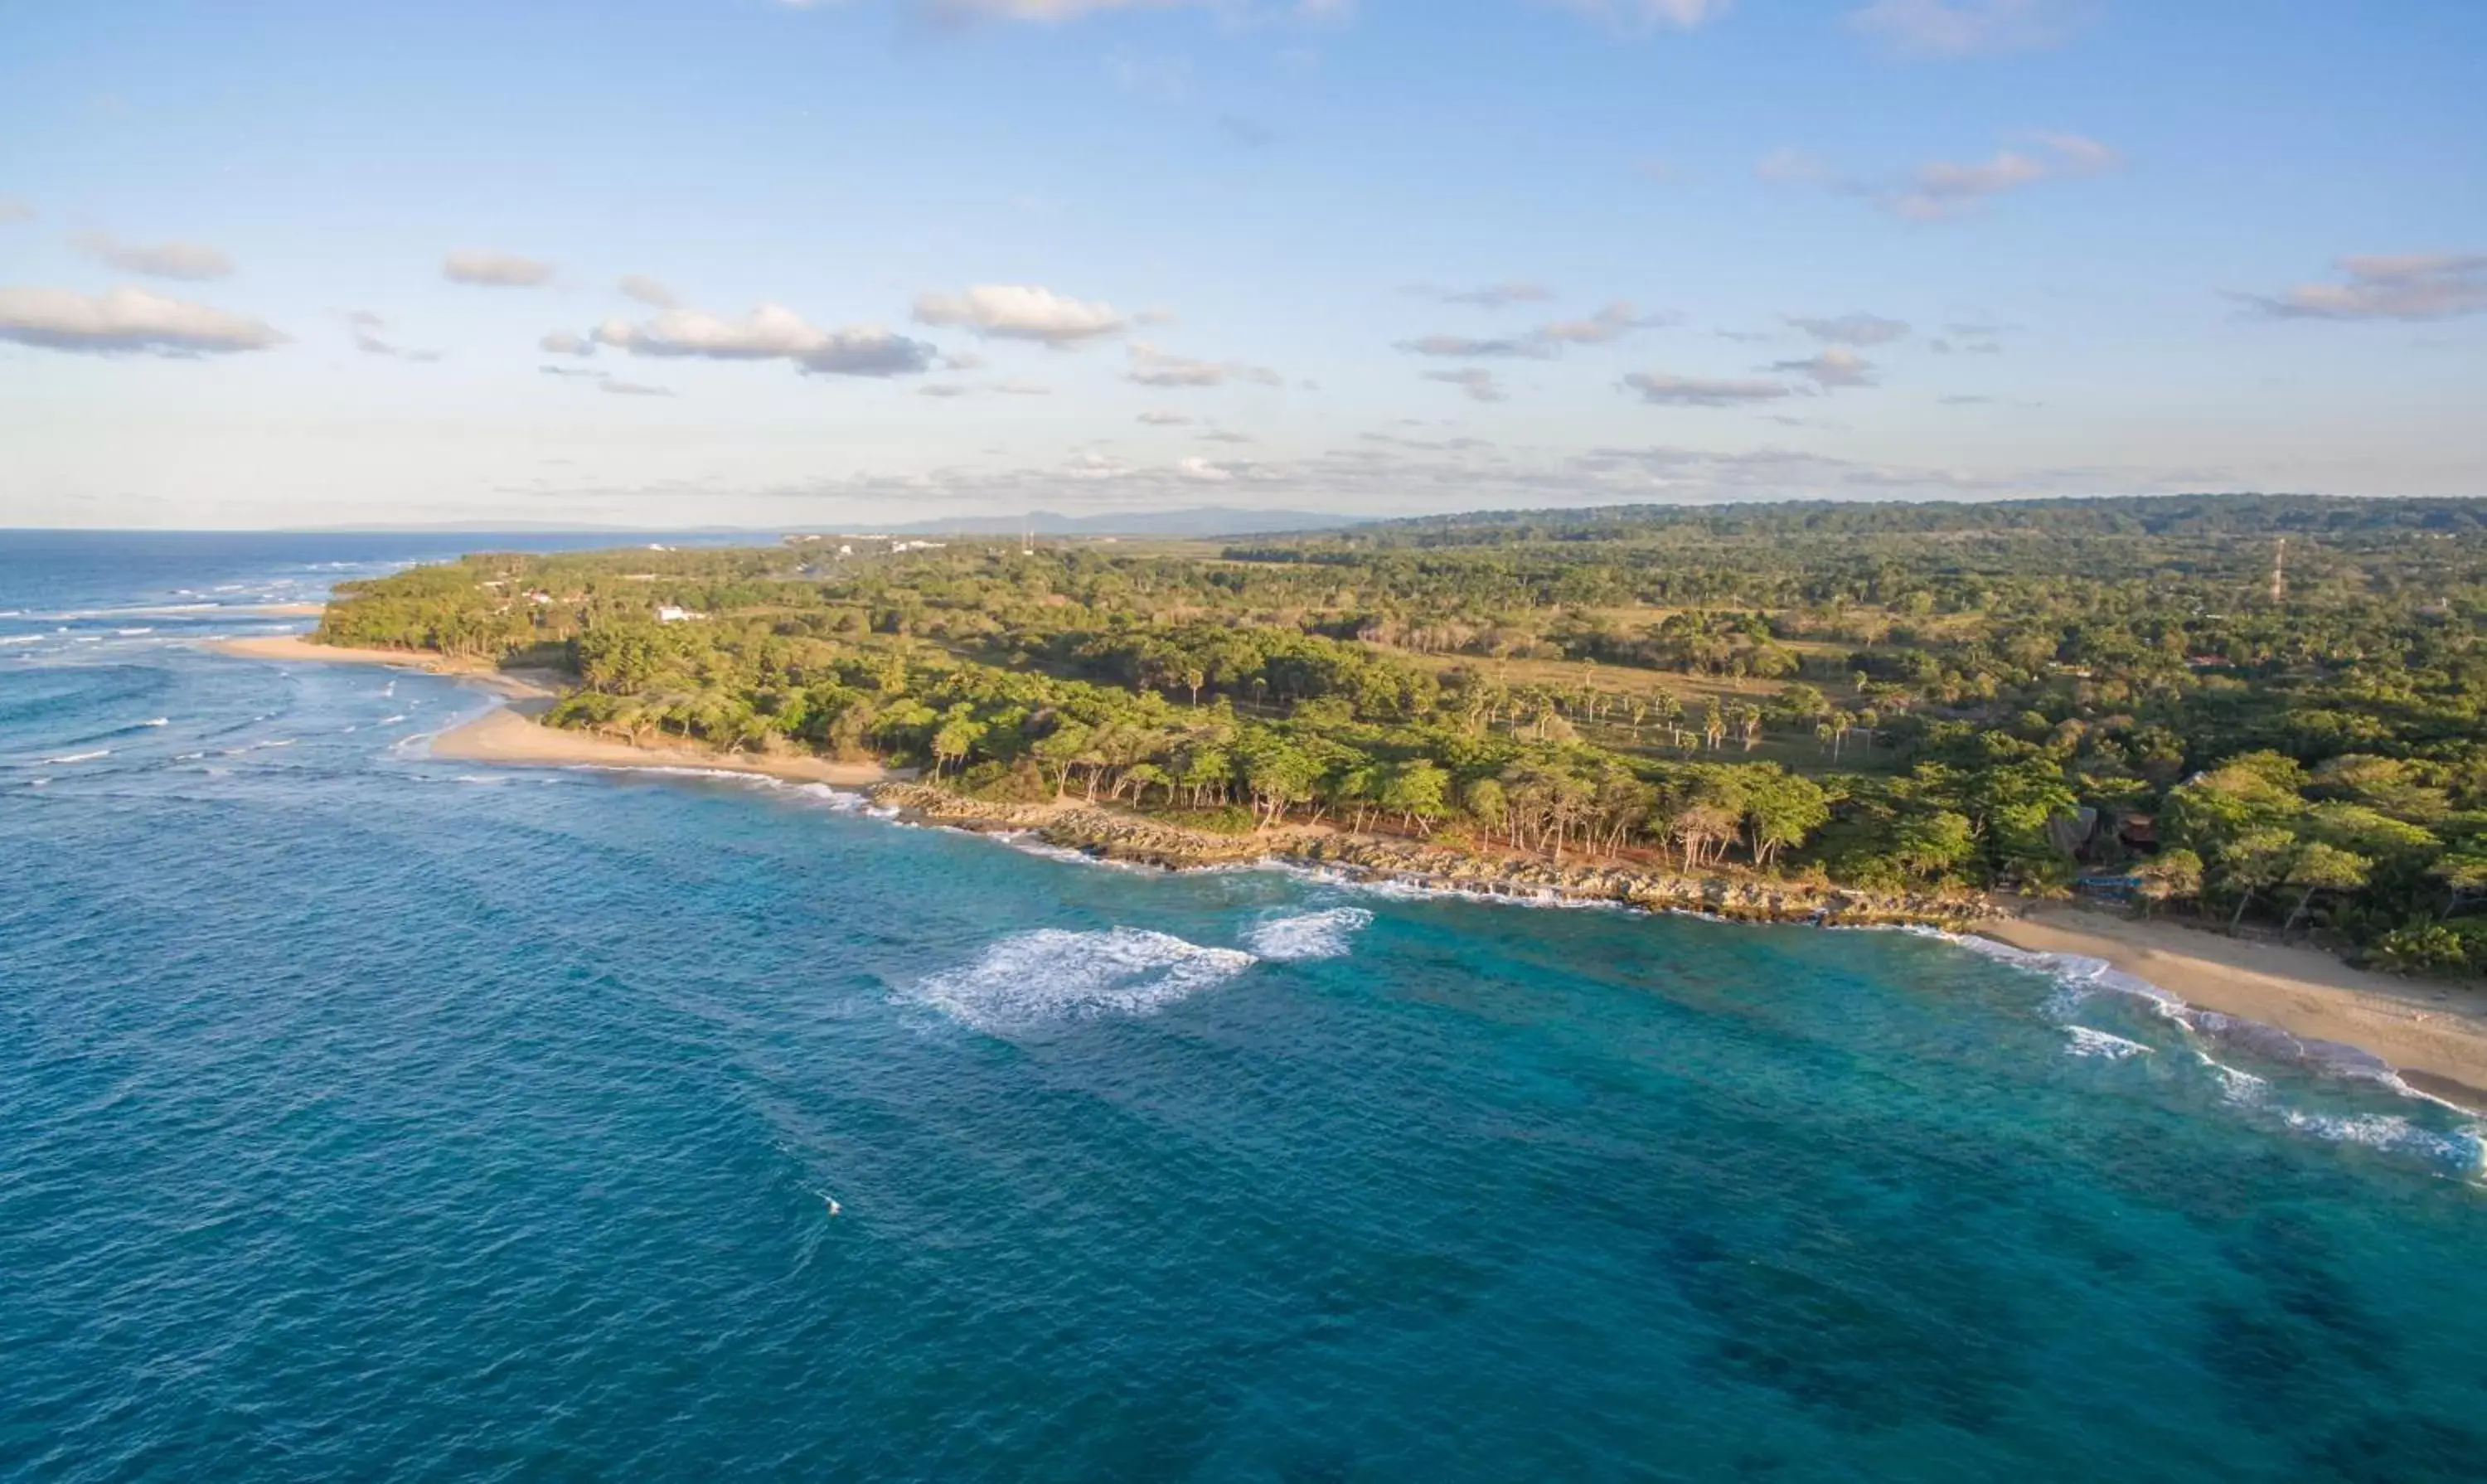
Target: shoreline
[[2433, 1036], [509, 736], [516, 685]]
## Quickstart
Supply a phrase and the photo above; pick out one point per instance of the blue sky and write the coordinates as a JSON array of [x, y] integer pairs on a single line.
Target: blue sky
[[276, 264]]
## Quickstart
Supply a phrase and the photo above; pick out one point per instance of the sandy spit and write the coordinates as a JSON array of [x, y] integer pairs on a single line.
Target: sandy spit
[[294, 647]]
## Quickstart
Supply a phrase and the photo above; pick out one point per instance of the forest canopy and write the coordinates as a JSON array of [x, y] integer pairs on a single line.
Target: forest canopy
[[2264, 710]]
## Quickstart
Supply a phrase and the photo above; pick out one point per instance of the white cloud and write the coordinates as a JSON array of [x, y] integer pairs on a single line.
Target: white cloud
[[1021, 312], [1153, 367], [496, 270], [1202, 469], [770, 332], [1613, 322], [1480, 384], [564, 343], [1156, 419], [366, 328], [647, 291], [1856, 329], [1965, 28], [632, 388], [1646, 16], [1473, 346], [1490, 296], [13, 209], [1946, 190], [1664, 389], [1833, 367], [126, 319], [1543, 343], [1943, 190], [964, 13], [187, 260], [2399, 286]]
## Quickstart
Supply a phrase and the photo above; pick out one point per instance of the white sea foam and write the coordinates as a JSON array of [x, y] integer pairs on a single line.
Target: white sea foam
[[132, 634], [21, 639], [1327, 935], [2394, 1135], [1050, 975], [157, 722], [188, 757], [390, 721], [2083, 1041], [81, 757]]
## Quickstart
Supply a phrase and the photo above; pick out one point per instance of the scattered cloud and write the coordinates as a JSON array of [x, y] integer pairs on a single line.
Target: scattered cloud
[[1473, 348], [1500, 295], [772, 332], [647, 291], [366, 328], [564, 343], [1964, 400], [1611, 323], [1154, 366], [1021, 312], [2398, 286], [1480, 384], [1948, 191], [1856, 329], [570, 371], [621, 388], [1643, 16], [1227, 436], [970, 12], [1966, 28], [13, 209], [1156, 419], [127, 321], [953, 389], [190, 262], [1835, 366], [962, 361], [496, 270], [1663, 390], [1944, 191], [1545, 342]]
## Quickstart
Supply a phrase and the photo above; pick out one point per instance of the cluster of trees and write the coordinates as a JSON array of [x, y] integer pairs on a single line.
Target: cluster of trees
[[1935, 686]]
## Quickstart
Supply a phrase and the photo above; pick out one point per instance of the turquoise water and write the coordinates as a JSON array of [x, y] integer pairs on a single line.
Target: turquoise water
[[367, 1116]]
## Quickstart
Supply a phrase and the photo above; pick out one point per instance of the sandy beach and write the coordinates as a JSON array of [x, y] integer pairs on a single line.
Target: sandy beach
[[294, 647], [2435, 1034], [509, 736]]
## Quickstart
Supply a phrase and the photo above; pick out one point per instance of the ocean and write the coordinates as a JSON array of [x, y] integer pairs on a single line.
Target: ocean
[[365, 1115]]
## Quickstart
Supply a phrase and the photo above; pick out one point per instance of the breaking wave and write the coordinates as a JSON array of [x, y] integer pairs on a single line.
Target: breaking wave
[[2083, 1041], [1328, 934], [1051, 975]]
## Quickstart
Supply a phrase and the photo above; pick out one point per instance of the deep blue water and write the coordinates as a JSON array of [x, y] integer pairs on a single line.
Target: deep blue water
[[363, 1115]]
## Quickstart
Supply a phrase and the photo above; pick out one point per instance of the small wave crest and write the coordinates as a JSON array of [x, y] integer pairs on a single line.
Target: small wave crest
[[1051, 974], [1326, 935], [2083, 1041], [80, 757]]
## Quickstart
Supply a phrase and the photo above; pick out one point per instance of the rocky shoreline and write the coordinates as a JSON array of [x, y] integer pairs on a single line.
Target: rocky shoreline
[[1110, 835]]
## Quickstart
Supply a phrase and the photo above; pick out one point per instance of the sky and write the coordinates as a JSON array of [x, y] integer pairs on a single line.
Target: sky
[[666, 263]]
